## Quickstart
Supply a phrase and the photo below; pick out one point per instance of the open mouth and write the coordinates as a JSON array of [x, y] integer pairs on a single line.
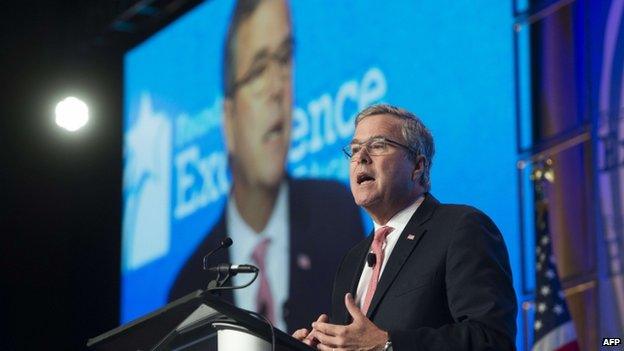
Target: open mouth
[[364, 178], [275, 132]]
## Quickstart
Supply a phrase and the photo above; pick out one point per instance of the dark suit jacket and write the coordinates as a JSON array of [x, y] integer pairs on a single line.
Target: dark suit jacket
[[448, 288], [324, 224]]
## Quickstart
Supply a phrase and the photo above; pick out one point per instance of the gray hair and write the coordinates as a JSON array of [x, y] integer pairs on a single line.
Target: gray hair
[[414, 131]]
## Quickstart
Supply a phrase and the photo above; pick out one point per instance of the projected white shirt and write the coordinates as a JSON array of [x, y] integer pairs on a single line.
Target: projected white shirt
[[398, 222], [277, 256]]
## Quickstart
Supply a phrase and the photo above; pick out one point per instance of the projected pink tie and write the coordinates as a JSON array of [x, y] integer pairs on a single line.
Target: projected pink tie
[[377, 249], [264, 298]]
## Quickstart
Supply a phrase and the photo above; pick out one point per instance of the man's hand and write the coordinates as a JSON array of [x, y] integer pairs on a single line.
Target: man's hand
[[308, 337], [361, 334]]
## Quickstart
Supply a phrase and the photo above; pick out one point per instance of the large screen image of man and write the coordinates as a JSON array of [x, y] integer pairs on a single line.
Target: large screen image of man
[[294, 230]]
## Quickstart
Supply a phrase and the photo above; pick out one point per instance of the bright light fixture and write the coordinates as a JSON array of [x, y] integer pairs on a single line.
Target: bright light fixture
[[71, 114]]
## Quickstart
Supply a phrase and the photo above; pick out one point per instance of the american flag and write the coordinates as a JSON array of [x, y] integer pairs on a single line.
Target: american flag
[[553, 328]]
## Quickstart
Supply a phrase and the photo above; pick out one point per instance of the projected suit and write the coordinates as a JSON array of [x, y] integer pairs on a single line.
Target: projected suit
[[324, 224], [323, 221]]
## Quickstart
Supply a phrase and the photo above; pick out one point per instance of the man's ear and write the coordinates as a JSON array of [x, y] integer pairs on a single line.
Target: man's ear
[[228, 128], [419, 167]]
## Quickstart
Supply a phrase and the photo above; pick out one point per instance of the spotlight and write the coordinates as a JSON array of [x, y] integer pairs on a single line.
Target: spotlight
[[71, 114]]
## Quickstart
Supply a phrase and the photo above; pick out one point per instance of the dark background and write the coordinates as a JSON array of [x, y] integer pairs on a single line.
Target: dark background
[[61, 192], [60, 216]]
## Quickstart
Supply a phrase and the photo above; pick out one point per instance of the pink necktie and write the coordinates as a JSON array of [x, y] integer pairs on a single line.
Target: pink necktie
[[376, 248], [264, 298]]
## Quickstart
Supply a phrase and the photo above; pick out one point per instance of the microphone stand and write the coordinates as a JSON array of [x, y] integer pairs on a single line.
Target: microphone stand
[[214, 286], [217, 284]]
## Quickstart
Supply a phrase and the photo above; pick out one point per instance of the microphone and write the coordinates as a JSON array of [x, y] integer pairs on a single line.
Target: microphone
[[371, 259], [225, 243], [228, 269]]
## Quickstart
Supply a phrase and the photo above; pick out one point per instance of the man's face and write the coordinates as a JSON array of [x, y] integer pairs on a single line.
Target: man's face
[[258, 114], [382, 182]]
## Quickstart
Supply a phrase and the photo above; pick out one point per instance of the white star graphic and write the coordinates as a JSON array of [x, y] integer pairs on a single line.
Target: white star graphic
[[541, 307], [537, 325], [550, 274], [558, 309], [542, 257], [539, 266], [545, 290], [545, 240]]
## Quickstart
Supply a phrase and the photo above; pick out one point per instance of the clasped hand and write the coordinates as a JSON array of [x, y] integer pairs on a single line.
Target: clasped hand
[[360, 335]]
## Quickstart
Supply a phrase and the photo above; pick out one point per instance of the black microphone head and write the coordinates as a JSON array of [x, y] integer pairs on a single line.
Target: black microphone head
[[248, 268], [371, 259], [227, 242]]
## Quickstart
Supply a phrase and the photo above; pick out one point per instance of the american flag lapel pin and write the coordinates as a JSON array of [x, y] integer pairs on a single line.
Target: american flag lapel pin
[[411, 236], [304, 262]]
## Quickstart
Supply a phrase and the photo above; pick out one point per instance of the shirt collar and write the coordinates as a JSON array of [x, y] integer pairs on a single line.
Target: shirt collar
[[245, 237], [399, 220]]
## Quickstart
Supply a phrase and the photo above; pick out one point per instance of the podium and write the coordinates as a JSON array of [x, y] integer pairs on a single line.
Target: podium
[[198, 321]]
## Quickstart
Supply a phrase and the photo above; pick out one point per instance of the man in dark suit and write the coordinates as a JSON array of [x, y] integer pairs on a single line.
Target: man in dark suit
[[433, 276], [294, 230]]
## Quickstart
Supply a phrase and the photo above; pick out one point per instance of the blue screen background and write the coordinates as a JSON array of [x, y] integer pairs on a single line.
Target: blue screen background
[[452, 66]]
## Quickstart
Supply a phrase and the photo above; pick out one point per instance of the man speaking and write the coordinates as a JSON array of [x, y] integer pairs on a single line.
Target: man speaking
[[432, 276]]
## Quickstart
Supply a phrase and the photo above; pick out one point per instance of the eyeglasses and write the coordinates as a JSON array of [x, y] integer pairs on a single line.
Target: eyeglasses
[[257, 76], [375, 146]]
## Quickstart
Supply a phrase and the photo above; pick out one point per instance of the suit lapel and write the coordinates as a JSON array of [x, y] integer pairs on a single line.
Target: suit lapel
[[415, 229], [360, 264], [297, 227], [356, 266]]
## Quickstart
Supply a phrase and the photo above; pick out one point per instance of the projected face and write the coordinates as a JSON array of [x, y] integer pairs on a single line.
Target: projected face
[[258, 113], [386, 182]]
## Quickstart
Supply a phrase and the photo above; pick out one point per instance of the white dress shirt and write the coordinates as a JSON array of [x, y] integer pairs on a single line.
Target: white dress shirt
[[277, 255], [398, 222]]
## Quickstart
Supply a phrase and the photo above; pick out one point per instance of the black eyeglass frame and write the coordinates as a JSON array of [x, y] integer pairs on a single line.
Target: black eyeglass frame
[[283, 57]]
